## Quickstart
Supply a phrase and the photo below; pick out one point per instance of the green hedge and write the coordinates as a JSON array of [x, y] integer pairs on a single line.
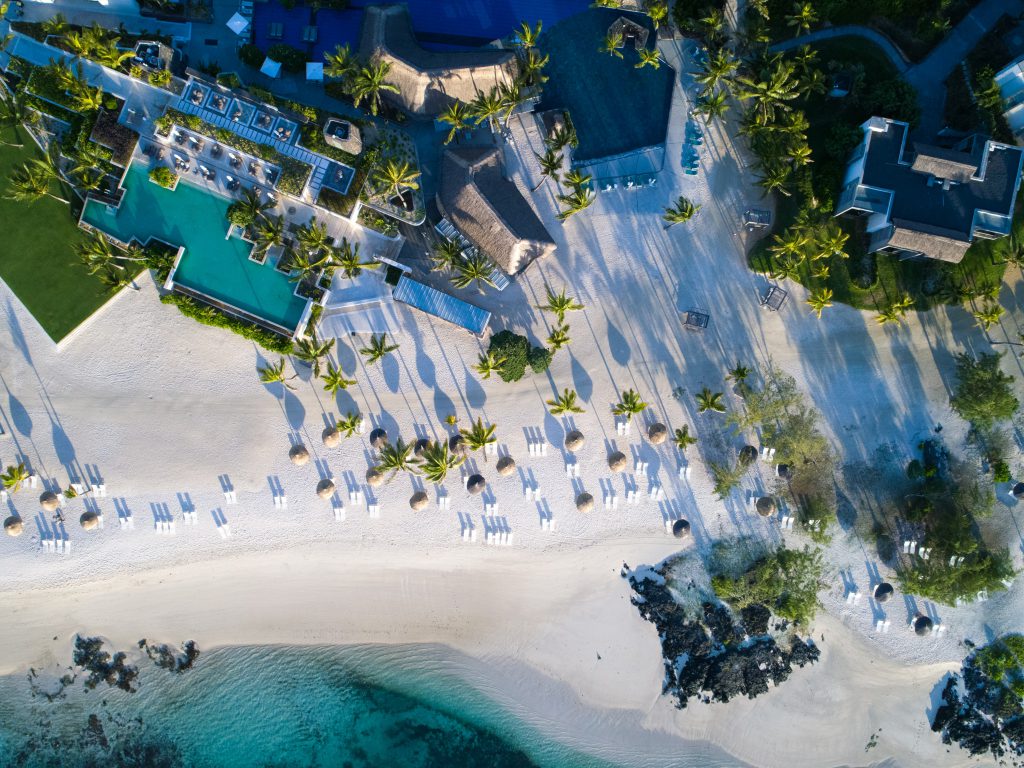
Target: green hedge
[[294, 174], [208, 315]]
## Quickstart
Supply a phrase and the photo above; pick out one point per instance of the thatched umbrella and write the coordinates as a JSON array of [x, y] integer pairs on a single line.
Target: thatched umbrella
[[584, 502], [420, 446], [922, 625], [49, 501], [419, 501], [883, 592], [748, 455], [1018, 491], [574, 441], [299, 455], [476, 484], [765, 506], [506, 466], [13, 526], [617, 461], [325, 488], [657, 433], [785, 471], [89, 520], [331, 437], [681, 528], [456, 443], [374, 477], [378, 438]]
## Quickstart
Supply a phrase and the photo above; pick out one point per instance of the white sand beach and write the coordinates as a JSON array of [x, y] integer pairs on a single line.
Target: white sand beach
[[167, 413]]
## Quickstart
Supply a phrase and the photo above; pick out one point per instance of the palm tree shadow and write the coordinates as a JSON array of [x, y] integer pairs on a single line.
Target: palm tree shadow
[[294, 410], [391, 373], [581, 380], [474, 391]]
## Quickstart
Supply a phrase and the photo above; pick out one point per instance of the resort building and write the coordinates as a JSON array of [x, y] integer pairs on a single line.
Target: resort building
[[1011, 85], [489, 210], [927, 201], [429, 81]]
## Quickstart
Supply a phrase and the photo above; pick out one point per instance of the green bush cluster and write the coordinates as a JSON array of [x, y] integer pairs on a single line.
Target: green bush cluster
[[294, 174], [251, 56], [787, 581], [291, 59], [517, 353], [208, 315], [163, 176], [984, 394]]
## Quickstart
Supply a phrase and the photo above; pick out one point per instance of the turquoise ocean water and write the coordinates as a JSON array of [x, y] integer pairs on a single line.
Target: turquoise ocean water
[[282, 706]]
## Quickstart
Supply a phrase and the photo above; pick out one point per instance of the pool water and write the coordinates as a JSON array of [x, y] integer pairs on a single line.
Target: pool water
[[211, 265]]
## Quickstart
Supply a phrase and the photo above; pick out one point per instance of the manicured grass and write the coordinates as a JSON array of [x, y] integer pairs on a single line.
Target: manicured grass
[[36, 260], [870, 282]]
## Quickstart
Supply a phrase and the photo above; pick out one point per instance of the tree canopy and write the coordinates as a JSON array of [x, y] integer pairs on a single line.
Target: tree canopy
[[983, 393]]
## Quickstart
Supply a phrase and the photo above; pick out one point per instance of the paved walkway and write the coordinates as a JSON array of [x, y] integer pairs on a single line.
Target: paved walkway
[[928, 76]]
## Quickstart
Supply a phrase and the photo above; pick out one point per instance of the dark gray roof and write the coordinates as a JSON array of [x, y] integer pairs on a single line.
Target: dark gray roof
[[919, 202], [489, 209]]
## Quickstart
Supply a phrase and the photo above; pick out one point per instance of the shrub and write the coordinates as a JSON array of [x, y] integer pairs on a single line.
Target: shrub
[[294, 174], [539, 359], [163, 176], [515, 349], [915, 470], [786, 580], [160, 78], [241, 215], [207, 315], [292, 59], [983, 393], [251, 56], [1001, 472]]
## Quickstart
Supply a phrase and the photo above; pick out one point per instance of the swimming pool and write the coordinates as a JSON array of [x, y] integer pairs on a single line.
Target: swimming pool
[[211, 265]]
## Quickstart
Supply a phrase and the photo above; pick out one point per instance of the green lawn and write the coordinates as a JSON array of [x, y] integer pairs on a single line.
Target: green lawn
[[865, 281], [37, 260]]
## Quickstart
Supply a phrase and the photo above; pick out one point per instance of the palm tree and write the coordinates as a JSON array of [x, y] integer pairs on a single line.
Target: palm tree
[[335, 380], [78, 43], [822, 272], [832, 241], [802, 18], [446, 254], [340, 64], [889, 315], [313, 237], [563, 136], [550, 167], [657, 10], [819, 300], [775, 179], [579, 200], [55, 25], [487, 106], [397, 457], [109, 55], [712, 106], [629, 405], [438, 461], [790, 244], [14, 113], [649, 57], [527, 36], [478, 436], [368, 83], [559, 303], [269, 233], [457, 115], [251, 203], [680, 213], [87, 100], [989, 314], [31, 182], [718, 68], [273, 373], [800, 155], [487, 364], [377, 349], [714, 25], [395, 176], [349, 425], [565, 403], [770, 90], [785, 268], [710, 401], [311, 350], [576, 179], [611, 44], [531, 68], [683, 439], [511, 95], [303, 266], [347, 260], [473, 269], [14, 476], [739, 374], [99, 255], [559, 337]]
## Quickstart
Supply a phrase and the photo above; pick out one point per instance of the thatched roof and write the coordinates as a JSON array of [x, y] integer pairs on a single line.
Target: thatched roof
[[883, 592], [379, 438], [657, 433], [420, 446], [374, 477], [325, 488], [617, 461], [49, 501], [923, 625], [574, 441], [765, 506], [13, 526], [681, 528], [506, 466], [299, 455], [630, 29], [584, 502], [944, 163], [489, 209], [331, 437], [419, 500], [428, 81], [115, 136], [89, 521], [476, 484], [936, 242]]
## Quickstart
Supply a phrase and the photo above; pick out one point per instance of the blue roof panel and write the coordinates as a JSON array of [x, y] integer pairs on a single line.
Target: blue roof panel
[[442, 305]]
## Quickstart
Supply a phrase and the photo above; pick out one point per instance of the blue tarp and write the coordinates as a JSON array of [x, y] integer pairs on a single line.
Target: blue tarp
[[442, 305]]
